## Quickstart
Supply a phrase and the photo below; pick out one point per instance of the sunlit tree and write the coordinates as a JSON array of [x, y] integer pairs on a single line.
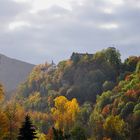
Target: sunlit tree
[[65, 112]]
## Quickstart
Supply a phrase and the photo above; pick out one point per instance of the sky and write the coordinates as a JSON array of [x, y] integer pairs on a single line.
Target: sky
[[37, 31]]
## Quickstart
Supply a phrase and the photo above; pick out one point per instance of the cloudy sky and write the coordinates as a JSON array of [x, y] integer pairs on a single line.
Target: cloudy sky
[[41, 30]]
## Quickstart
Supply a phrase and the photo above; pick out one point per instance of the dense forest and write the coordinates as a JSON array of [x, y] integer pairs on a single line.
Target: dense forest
[[87, 97]]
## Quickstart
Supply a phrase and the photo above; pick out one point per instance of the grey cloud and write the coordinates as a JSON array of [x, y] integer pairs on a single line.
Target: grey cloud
[[9, 10], [56, 32]]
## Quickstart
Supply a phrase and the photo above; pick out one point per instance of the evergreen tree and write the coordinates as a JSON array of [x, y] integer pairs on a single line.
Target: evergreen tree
[[27, 131]]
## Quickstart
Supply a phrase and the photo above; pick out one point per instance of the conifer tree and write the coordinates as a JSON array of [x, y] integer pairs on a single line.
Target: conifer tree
[[27, 131]]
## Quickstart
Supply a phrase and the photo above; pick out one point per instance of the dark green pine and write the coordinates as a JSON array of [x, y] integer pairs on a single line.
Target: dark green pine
[[27, 131]]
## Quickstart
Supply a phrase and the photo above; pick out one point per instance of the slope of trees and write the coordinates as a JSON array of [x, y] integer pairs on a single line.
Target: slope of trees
[[88, 97], [117, 112], [82, 77]]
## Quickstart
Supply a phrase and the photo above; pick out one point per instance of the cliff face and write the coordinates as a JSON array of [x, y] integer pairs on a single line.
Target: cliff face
[[13, 72]]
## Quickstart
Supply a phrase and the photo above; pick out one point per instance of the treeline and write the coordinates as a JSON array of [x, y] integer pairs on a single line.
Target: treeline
[[88, 97], [83, 77]]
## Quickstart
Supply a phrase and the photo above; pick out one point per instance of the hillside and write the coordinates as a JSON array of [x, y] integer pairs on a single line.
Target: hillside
[[116, 114], [13, 72], [87, 97], [83, 76]]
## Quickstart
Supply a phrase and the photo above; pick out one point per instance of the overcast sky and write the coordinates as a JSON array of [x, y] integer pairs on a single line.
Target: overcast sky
[[36, 31]]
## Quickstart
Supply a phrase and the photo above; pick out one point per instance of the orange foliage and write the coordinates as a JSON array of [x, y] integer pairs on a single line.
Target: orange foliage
[[49, 136], [3, 125], [132, 93], [106, 110], [38, 115], [128, 77], [1, 92], [114, 111]]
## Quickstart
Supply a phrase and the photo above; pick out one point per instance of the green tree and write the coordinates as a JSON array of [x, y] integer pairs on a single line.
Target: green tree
[[137, 107], [27, 131], [138, 67], [108, 85], [114, 127], [130, 63], [113, 57], [59, 135], [78, 133], [128, 108], [75, 58]]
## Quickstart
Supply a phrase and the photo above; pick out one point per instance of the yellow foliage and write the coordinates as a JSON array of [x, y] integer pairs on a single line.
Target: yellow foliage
[[114, 124], [1, 91], [15, 114], [65, 112], [41, 136], [38, 115], [3, 125], [60, 103], [34, 97]]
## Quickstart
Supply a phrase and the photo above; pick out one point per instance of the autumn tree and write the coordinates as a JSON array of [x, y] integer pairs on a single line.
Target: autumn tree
[[1, 91], [65, 112], [50, 135], [114, 127], [3, 118], [3, 125], [10, 111], [15, 115]]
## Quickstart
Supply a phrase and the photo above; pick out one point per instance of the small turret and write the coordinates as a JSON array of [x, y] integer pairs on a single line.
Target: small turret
[[52, 66], [53, 63]]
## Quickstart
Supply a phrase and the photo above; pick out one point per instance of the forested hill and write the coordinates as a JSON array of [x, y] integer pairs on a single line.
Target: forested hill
[[13, 72], [83, 76], [87, 97], [116, 114]]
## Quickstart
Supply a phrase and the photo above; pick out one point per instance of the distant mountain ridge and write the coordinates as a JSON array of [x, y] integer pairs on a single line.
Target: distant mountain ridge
[[13, 72]]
